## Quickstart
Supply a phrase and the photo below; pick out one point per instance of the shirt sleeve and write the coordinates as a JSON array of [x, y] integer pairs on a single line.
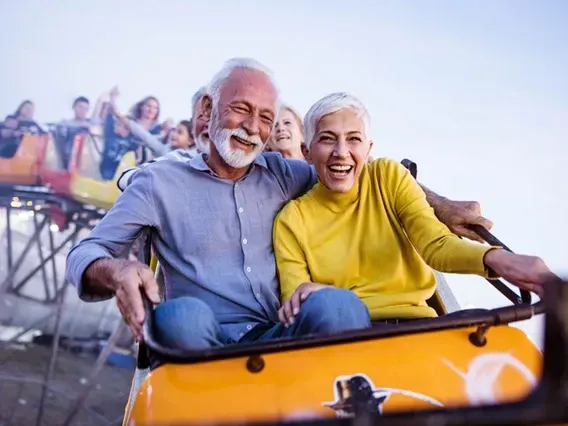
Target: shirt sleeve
[[437, 245], [303, 177], [290, 258], [133, 213], [128, 175]]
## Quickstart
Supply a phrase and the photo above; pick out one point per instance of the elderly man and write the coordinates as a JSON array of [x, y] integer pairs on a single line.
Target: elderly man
[[210, 220]]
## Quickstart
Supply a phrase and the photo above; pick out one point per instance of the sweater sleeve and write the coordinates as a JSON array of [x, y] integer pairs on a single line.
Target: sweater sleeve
[[437, 245], [290, 258]]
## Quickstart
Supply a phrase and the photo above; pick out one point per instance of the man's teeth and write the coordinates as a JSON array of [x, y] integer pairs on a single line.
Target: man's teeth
[[245, 142]]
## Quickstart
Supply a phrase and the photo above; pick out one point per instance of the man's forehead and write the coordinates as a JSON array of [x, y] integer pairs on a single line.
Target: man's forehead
[[245, 83]]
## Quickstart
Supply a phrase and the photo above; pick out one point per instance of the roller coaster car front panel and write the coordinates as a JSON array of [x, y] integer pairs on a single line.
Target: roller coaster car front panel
[[52, 171], [23, 167], [87, 185], [428, 370]]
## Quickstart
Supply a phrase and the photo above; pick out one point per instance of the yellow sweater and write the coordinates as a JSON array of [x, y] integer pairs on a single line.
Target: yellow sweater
[[376, 240]]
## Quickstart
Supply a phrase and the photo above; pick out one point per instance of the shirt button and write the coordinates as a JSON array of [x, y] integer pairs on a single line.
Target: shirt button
[[245, 241], [241, 210], [241, 334], [249, 327], [258, 295], [248, 268]]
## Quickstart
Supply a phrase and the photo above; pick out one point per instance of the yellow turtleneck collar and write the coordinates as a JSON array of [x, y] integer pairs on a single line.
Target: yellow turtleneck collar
[[338, 201]]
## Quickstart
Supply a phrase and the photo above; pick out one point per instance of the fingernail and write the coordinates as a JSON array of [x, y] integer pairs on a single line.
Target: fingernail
[[296, 310], [291, 321]]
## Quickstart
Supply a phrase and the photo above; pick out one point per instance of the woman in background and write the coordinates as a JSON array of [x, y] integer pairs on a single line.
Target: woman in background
[[287, 137]]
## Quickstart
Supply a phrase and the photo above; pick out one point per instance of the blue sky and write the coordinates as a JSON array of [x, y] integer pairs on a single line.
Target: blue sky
[[476, 92]]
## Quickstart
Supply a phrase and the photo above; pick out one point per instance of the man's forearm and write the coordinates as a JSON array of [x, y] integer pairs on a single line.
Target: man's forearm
[[97, 280], [433, 199]]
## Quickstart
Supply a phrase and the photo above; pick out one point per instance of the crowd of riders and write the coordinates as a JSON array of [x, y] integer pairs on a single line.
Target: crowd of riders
[[269, 225], [139, 130]]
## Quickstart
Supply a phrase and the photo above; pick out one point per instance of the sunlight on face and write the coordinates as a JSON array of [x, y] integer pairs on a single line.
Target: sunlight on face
[[339, 150]]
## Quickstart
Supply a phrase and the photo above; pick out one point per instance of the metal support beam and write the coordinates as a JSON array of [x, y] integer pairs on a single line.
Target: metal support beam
[[12, 272]]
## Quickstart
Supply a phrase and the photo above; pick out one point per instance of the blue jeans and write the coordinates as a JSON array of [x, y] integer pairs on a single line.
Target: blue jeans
[[188, 323]]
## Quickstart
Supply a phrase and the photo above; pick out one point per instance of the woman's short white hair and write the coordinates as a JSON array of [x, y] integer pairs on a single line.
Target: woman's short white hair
[[330, 104], [214, 89], [197, 97]]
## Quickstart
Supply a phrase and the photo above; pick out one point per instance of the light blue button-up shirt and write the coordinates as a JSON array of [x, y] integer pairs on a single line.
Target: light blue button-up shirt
[[212, 236]]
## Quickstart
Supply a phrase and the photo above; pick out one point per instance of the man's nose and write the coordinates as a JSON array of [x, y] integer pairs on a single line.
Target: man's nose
[[252, 125]]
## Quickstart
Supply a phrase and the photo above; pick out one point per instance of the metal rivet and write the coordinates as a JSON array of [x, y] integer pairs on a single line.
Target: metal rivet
[[255, 364]]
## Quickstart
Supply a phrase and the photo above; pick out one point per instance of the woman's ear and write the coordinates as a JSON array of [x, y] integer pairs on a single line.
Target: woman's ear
[[370, 158], [306, 153]]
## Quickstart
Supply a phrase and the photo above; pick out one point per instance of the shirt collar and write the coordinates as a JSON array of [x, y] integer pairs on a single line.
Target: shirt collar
[[198, 162]]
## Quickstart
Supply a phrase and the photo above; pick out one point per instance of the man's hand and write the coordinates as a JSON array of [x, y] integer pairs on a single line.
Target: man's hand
[[126, 279], [526, 272], [291, 307], [457, 214]]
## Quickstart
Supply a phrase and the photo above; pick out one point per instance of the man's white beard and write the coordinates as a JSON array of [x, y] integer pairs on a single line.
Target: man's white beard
[[202, 144], [235, 157]]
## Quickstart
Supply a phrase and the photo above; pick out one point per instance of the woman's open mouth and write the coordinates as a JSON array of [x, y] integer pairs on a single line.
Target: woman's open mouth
[[339, 171]]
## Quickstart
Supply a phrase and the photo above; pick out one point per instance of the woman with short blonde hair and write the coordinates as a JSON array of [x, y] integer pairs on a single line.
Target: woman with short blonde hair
[[287, 137]]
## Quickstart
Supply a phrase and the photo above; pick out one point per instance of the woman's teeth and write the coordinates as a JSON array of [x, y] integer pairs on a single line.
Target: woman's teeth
[[340, 169]]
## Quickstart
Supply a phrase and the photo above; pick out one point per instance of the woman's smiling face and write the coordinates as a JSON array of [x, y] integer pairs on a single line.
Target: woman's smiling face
[[287, 133], [339, 149]]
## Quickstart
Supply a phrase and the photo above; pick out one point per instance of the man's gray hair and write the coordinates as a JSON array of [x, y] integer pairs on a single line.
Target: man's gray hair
[[214, 89], [330, 104], [197, 97]]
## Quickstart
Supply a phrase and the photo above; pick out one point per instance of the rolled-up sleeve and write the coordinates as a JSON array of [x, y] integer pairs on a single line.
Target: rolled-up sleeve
[[134, 211]]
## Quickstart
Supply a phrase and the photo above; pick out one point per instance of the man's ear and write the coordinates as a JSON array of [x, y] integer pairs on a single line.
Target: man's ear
[[206, 106]]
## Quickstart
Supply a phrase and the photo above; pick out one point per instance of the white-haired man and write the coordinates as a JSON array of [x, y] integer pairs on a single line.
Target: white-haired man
[[210, 220], [199, 122]]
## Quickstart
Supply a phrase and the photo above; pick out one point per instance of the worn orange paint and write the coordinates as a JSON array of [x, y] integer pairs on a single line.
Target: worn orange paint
[[297, 383]]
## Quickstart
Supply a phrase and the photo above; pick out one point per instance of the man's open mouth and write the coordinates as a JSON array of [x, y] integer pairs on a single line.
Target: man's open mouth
[[244, 141]]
